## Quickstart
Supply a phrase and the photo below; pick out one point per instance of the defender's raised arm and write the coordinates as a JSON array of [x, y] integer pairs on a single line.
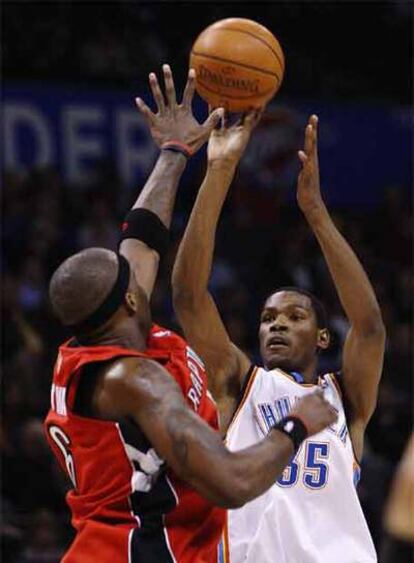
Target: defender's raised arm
[[178, 134]]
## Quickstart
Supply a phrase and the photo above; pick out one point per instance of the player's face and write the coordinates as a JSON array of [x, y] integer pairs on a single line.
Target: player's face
[[288, 332]]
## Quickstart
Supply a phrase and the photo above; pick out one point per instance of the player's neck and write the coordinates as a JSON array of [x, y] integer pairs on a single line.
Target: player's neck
[[306, 375], [309, 373], [124, 335]]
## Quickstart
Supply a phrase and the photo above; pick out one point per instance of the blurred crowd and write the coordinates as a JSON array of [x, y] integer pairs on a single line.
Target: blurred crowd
[[257, 250]]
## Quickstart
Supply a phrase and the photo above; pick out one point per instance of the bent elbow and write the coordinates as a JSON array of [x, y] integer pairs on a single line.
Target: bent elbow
[[377, 328], [373, 326], [367, 410], [237, 494], [221, 492], [230, 490]]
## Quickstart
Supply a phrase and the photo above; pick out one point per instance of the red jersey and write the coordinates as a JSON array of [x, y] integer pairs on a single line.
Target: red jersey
[[127, 506]]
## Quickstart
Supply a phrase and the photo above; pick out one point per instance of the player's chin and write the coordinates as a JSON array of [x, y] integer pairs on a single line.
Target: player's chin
[[280, 359]]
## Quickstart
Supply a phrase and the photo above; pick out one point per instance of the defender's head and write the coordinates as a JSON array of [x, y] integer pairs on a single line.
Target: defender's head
[[94, 290], [293, 328]]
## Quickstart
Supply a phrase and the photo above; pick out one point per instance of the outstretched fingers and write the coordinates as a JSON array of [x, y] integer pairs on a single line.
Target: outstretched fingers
[[302, 157], [311, 135], [314, 122], [311, 140], [308, 139], [189, 89], [252, 117], [156, 92], [213, 119], [144, 109], [169, 86]]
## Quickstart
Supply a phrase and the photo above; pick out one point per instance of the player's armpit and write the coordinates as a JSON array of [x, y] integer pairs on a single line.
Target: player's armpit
[[226, 365], [143, 390]]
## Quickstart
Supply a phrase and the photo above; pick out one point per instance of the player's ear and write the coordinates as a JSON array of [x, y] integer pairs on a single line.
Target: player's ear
[[131, 302], [324, 338]]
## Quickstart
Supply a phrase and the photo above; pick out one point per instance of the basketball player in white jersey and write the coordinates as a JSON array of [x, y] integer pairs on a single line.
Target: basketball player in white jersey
[[312, 513]]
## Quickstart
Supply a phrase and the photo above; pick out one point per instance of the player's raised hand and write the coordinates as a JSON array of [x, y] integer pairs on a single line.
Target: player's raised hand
[[315, 412], [173, 121], [308, 191], [227, 144]]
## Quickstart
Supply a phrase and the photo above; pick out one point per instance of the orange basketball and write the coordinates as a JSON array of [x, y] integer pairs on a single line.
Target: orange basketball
[[239, 64]]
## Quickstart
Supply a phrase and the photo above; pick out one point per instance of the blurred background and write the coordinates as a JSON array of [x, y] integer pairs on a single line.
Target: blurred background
[[75, 154]]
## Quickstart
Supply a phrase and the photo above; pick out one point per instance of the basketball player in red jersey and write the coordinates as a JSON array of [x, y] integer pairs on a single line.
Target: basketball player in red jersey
[[131, 420]]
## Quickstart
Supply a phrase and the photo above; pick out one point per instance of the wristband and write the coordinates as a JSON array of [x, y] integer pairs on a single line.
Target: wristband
[[146, 226], [177, 146], [294, 428]]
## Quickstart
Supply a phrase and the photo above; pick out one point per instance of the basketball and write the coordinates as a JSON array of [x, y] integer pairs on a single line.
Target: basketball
[[239, 64]]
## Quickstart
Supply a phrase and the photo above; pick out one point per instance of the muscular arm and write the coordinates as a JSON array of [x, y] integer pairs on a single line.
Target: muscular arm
[[172, 122], [143, 390], [195, 308], [364, 346], [158, 195]]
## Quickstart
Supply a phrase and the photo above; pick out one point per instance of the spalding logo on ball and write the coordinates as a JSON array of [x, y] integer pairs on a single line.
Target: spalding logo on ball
[[239, 64]]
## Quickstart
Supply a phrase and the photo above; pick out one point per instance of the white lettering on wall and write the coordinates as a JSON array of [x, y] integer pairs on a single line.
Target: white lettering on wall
[[133, 156], [79, 145], [19, 117]]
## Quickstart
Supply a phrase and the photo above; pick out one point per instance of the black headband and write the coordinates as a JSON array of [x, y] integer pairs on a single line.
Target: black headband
[[111, 302]]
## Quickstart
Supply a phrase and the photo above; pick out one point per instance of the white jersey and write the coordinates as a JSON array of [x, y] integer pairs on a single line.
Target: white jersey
[[312, 513]]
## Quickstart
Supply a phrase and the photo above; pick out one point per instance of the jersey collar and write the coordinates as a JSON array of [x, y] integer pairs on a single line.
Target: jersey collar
[[298, 377]]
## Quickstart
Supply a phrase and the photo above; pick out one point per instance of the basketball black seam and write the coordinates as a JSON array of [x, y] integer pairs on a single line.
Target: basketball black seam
[[229, 62], [241, 98], [255, 36]]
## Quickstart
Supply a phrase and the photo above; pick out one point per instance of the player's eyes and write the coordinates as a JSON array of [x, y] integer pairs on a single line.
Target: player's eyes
[[297, 317]]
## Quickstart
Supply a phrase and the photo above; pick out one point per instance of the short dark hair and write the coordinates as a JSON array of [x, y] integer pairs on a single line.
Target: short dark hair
[[317, 306], [81, 283]]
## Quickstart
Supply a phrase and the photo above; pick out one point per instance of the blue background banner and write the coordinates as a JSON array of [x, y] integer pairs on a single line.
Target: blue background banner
[[363, 148]]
